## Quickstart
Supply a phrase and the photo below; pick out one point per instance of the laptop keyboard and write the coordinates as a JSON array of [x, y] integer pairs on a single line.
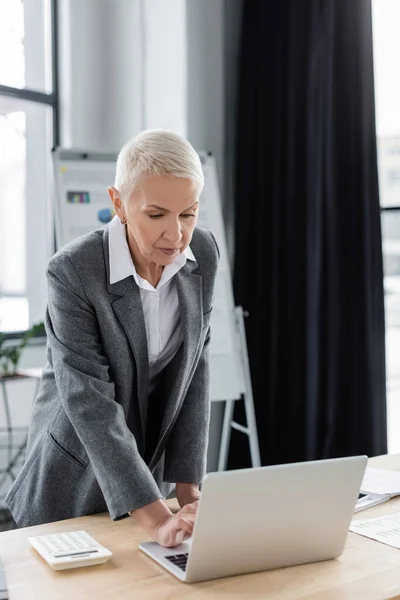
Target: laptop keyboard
[[179, 560]]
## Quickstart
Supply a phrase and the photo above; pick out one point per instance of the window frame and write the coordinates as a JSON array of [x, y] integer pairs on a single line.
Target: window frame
[[51, 99]]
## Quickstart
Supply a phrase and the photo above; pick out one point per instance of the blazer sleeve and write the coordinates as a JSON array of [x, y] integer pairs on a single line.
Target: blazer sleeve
[[87, 393]]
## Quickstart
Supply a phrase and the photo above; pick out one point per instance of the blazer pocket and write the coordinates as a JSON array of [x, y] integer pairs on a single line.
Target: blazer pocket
[[206, 318], [68, 453]]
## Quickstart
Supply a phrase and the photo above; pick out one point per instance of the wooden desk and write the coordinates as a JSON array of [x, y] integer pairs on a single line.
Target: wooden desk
[[366, 570]]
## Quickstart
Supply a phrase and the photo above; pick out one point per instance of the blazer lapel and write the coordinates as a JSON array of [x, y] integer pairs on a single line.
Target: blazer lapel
[[189, 288], [129, 310]]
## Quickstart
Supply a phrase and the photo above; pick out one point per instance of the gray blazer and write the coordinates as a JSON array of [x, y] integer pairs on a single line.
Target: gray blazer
[[87, 436]]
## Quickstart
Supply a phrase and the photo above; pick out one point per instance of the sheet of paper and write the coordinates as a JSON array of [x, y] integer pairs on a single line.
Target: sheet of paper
[[381, 481], [383, 529], [370, 500]]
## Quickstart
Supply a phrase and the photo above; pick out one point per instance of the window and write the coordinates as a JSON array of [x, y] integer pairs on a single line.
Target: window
[[393, 177], [25, 44], [27, 106], [386, 26]]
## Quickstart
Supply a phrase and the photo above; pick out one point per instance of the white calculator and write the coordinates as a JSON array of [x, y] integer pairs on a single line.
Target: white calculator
[[70, 550]]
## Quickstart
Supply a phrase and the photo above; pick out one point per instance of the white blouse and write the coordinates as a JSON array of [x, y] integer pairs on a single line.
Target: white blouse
[[160, 304]]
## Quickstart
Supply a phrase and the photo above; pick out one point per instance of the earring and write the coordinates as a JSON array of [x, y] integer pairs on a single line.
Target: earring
[[123, 221]]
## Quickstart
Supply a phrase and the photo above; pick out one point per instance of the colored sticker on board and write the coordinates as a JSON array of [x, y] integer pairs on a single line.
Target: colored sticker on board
[[78, 197], [105, 215]]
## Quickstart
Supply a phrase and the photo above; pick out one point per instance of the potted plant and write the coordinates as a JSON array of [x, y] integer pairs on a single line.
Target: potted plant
[[10, 354]]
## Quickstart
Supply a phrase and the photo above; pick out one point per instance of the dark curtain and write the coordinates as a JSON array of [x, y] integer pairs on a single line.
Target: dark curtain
[[308, 259]]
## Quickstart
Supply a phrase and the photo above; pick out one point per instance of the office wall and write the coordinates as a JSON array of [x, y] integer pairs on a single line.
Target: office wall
[[165, 65], [206, 79], [100, 72], [122, 69]]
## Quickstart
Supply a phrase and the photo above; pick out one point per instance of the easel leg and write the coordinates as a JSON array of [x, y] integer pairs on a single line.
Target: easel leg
[[248, 395], [226, 436]]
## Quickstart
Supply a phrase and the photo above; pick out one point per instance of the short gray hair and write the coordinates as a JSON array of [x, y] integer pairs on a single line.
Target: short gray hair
[[157, 152]]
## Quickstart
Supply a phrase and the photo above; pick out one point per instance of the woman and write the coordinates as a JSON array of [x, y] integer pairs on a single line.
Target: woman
[[123, 408]]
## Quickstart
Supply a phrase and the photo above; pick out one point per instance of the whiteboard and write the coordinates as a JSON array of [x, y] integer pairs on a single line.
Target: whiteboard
[[83, 204]]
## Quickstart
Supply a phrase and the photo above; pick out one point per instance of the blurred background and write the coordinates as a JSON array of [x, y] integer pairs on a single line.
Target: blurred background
[[299, 103]]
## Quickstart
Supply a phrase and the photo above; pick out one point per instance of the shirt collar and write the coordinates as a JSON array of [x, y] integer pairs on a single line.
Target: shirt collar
[[121, 264]]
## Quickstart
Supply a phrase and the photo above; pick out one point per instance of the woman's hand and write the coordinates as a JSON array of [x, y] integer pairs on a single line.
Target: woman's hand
[[175, 529], [187, 493], [164, 527]]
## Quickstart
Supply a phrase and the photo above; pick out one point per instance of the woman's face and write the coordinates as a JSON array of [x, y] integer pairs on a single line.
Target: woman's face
[[161, 215]]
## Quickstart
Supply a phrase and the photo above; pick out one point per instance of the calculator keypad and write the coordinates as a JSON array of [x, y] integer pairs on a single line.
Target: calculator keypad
[[65, 543], [65, 550]]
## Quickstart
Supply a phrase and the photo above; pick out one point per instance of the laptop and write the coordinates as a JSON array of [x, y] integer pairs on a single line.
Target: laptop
[[265, 518]]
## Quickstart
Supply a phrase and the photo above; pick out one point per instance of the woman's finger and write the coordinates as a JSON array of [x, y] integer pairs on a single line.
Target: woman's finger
[[185, 524], [190, 508]]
